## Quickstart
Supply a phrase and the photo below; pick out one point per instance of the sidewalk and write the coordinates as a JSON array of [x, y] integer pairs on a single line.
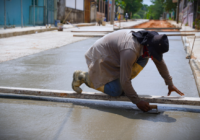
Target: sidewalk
[[23, 31], [188, 42], [17, 31], [19, 46]]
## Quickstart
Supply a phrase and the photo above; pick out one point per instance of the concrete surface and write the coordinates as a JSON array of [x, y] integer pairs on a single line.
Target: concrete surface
[[19, 46], [192, 48], [85, 120], [53, 69], [26, 119]]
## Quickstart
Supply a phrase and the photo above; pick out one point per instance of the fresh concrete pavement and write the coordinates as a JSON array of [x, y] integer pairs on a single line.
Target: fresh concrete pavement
[[19, 46], [83, 119]]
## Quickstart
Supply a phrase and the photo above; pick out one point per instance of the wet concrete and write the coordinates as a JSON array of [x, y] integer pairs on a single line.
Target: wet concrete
[[53, 69], [89, 120], [26, 119]]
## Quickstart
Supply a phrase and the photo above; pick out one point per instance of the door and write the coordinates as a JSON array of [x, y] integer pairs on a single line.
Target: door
[[87, 11]]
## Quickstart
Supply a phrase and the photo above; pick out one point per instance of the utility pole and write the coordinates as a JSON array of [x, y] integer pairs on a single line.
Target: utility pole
[[34, 13], [112, 13], [21, 14], [4, 14], [177, 14]]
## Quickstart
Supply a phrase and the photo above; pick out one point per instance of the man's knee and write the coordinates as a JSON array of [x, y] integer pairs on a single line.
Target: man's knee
[[113, 88]]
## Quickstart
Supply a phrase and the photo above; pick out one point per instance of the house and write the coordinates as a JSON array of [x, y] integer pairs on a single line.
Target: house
[[84, 11], [27, 12], [188, 11], [71, 11]]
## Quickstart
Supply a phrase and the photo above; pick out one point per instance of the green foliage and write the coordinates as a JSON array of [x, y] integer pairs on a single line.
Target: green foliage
[[169, 5], [136, 16], [120, 3], [197, 23], [142, 12], [132, 6], [155, 10]]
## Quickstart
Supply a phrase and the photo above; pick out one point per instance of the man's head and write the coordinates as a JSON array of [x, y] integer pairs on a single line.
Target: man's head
[[158, 45]]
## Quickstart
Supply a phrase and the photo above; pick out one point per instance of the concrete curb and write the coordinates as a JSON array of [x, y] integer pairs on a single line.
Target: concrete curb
[[196, 72], [82, 25], [88, 35], [19, 33]]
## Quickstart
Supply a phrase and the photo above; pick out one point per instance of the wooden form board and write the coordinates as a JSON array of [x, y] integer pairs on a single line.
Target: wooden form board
[[101, 35], [100, 96], [154, 28]]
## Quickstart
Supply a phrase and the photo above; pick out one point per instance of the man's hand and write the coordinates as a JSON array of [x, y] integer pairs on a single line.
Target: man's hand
[[144, 106], [173, 88]]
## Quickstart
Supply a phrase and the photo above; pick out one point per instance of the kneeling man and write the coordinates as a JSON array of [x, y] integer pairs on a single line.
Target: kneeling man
[[118, 57]]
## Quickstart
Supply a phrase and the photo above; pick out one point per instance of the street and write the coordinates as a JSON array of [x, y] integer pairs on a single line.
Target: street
[[53, 69], [89, 119], [43, 43]]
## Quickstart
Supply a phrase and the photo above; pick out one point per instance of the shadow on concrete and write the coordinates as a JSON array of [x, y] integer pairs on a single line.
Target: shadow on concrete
[[133, 113], [125, 109]]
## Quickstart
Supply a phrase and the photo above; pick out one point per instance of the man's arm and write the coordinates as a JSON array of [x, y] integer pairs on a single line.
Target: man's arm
[[162, 68], [127, 59]]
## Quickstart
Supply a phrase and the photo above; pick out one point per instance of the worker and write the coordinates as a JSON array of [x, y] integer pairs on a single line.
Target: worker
[[126, 16], [118, 57]]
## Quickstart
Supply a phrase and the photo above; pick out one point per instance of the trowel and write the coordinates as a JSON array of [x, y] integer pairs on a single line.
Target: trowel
[[154, 110]]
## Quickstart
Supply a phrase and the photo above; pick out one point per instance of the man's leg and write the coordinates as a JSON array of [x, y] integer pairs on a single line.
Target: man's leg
[[80, 77], [112, 88], [138, 66]]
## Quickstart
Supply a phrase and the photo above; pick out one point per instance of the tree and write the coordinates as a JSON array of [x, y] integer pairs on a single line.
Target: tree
[[136, 16], [120, 3], [155, 10], [169, 5], [132, 6], [142, 12]]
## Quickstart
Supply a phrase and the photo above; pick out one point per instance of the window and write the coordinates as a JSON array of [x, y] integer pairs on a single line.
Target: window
[[75, 4], [36, 2], [79, 4], [70, 3]]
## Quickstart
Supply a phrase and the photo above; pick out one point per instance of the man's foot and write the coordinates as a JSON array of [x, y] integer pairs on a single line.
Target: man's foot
[[78, 79]]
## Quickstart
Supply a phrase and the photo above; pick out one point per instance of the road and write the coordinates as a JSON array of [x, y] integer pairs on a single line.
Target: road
[[53, 69], [85, 120]]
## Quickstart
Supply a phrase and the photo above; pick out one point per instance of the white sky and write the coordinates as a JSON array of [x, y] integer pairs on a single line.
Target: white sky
[[148, 2]]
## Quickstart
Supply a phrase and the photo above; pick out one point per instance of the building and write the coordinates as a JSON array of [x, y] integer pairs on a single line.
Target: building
[[84, 11], [188, 11], [27, 12], [71, 11]]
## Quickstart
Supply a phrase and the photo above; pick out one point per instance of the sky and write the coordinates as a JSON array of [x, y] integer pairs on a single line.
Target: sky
[[148, 2]]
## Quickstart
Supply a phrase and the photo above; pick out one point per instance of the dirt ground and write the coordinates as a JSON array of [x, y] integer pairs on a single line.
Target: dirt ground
[[156, 24]]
